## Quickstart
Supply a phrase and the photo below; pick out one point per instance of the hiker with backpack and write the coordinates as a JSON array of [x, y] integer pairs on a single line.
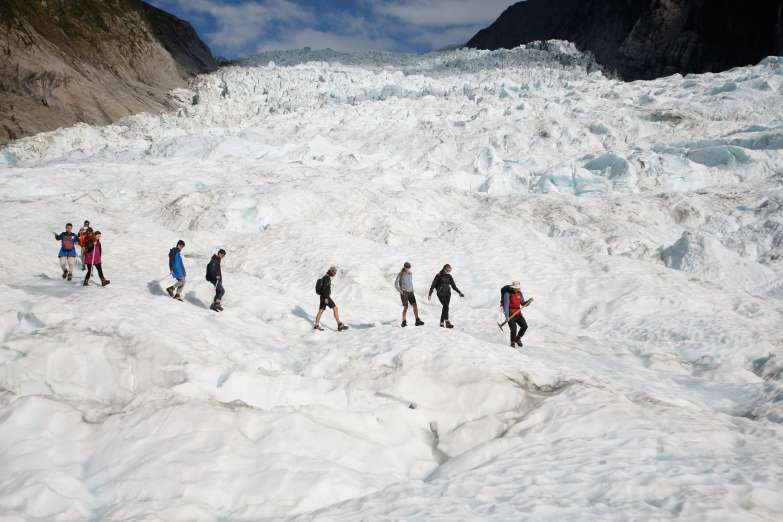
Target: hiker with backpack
[[512, 301], [93, 250], [323, 287], [177, 269], [67, 254], [403, 283], [442, 285], [85, 233], [215, 276]]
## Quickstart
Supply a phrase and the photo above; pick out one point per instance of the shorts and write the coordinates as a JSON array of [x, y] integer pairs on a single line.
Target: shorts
[[407, 297], [326, 301]]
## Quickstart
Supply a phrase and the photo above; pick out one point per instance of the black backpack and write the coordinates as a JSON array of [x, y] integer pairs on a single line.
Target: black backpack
[[209, 272], [319, 284], [503, 291]]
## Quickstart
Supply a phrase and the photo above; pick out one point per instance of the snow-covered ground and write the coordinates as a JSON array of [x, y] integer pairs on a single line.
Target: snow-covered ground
[[645, 218]]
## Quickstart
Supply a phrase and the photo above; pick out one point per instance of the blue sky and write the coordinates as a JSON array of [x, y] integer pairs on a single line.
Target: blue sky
[[234, 28]]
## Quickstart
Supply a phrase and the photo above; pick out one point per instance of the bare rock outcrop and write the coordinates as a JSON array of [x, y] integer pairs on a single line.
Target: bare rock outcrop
[[92, 61]]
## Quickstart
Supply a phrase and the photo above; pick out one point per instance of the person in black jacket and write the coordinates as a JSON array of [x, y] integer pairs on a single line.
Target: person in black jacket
[[215, 276], [324, 290], [442, 285]]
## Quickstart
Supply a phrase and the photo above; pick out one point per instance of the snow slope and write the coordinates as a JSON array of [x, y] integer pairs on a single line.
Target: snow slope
[[646, 219]]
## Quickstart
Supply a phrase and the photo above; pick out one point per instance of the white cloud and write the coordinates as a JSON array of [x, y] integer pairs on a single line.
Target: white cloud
[[441, 13], [240, 25], [391, 25], [322, 40]]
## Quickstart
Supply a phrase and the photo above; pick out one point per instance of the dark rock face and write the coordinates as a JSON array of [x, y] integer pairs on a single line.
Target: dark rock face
[[644, 39], [92, 61]]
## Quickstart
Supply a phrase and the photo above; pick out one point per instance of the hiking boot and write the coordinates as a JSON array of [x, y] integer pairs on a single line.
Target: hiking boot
[[105, 282], [84, 268], [318, 327], [443, 325], [86, 283], [170, 291], [419, 322], [214, 307], [518, 341], [70, 276], [404, 324], [449, 325], [341, 327], [219, 306], [65, 274], [178, 297]]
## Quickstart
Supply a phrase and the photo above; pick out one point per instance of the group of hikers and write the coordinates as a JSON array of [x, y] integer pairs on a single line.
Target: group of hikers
[[511, 299], [91, 251]]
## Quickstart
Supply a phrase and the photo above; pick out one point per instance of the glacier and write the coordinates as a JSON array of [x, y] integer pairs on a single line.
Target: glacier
[[646, 219]]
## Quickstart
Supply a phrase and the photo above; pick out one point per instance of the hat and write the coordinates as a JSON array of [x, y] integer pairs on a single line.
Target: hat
[[407, 264], [516, 285]]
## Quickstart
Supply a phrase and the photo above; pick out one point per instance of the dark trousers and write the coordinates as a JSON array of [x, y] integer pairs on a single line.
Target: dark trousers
[[89, 272], [219, 291], [517, 321], [444, 300]]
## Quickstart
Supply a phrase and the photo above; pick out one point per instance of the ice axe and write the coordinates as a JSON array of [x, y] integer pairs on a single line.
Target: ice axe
[[524, 305]]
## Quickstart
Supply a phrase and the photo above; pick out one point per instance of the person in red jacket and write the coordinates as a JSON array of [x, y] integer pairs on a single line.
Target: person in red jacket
[[92, 256], [513, 302]]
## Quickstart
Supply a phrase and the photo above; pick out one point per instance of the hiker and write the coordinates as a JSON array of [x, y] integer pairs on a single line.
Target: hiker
[[513, 302], [215, 276], [177, 269], [323, 287], [67, 253], [404, 285], [93, 251], [442, 284], [85, 233]]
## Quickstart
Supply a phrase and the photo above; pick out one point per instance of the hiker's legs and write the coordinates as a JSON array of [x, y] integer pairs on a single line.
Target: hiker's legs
[[517, 322], [100, 271], [89, 273], [179, 285], [318, 316], [64, 264], [444, 313], [415, 311], [522, 326], [70, 263], [219, 291], [404, 311], [336, 313]]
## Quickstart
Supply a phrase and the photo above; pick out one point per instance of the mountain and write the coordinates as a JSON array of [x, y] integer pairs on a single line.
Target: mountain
[[644, 39], [91, 61]]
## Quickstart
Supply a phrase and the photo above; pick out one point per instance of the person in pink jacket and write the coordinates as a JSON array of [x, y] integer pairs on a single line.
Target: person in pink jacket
[[92, 257]]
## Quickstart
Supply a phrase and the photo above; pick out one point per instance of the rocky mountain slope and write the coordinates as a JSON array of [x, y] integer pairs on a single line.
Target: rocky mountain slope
[[91, 61], [644, 39]]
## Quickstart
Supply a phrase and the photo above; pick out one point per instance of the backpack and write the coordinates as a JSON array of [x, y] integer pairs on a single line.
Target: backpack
[[319, 285], [503, 291]]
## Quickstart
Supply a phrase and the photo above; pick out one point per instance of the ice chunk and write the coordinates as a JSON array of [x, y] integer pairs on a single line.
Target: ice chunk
[[721, 156], [610, 165], [726, 87]]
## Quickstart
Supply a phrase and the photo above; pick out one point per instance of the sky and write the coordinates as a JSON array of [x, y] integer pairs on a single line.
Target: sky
[[236, 28]]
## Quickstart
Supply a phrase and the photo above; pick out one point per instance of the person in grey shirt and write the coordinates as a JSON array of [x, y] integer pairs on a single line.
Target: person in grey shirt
[[403, 283]]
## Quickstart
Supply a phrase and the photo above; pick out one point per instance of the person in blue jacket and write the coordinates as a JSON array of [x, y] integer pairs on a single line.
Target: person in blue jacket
[[177, 269], [68, 241]]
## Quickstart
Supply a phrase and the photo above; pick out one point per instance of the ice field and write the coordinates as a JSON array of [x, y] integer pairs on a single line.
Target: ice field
[[645, 218]]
